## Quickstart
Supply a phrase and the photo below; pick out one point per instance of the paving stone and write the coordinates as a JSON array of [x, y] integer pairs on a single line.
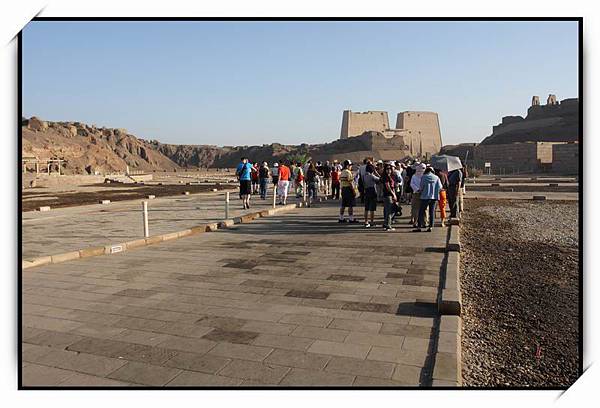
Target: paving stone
[[138, 293], [407, 375], [395, 355], [355, 325], [307, 294], [375, 382], [406, 330], [101, 347], [241, 351], [241, 337], [320, 333], [367, 368], [224, 323], [39, 375], [298, 359], [282, 342], [251, 370], [368, 307], [347, 278], [140, 337], [416, 344], [339, 349], [32, 352], [197, 362], [53, 339], [268, 327], [144, 374], [85, 380], [146, 354], [184, 329], [190, 344], [138, 323], [306, 320], [82, 362], [374, 339], [196, 379], [298, 376], [446, 367]]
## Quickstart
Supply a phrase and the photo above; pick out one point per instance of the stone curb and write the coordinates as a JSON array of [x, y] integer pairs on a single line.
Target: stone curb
[[447, 369], [155, 239], [454, 240]]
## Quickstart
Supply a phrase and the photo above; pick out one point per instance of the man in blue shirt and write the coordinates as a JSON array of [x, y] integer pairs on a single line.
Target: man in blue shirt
[[244, 174], [430, 194]]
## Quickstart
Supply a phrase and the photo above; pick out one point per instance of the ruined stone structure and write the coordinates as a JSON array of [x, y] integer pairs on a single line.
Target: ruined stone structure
[[565, 158], [511, 158], [419, 132], [528, 144]]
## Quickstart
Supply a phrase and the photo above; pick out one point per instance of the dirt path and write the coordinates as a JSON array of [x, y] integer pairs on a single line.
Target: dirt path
[[519, 278]]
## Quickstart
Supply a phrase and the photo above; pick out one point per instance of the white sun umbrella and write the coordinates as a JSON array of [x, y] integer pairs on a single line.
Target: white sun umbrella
[[445, 163]]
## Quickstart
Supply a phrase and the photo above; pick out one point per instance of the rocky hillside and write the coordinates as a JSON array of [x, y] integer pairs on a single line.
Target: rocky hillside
[[89, 149]]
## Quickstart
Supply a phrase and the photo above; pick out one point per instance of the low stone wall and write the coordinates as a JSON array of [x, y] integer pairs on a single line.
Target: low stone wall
[[565, 158], [56, 180]]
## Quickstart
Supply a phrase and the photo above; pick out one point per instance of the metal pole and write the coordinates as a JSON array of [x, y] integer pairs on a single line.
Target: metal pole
[[303, 191], [145, 216], [227, 205], [274, 195]]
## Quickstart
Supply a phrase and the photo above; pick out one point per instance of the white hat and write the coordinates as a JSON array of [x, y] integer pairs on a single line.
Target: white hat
[[275, 164]]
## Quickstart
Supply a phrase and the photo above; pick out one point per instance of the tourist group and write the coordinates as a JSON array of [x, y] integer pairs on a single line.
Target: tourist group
[[411, 182]]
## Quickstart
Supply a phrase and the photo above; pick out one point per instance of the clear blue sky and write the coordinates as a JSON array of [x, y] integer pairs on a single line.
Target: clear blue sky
[[230, 83]]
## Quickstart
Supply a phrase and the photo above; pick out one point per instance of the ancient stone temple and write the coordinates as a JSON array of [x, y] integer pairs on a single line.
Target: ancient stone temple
[[416, 132]]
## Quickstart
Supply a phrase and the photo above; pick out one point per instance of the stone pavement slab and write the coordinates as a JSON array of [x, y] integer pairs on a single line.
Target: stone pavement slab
[[292, 299]]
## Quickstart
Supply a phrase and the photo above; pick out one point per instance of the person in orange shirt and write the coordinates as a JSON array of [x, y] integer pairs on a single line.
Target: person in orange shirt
[[284, 183]]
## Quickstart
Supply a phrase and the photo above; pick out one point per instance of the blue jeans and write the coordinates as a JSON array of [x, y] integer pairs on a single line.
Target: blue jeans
[[388, 211], [263, 187], [424, 205], [312, 190]]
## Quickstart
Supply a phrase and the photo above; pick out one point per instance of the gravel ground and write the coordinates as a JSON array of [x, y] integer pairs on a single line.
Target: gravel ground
[[519, 282]]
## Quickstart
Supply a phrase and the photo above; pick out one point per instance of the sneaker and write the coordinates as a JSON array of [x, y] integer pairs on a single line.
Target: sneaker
[[429, 229], [341, 221], [367, 225], [390, 229]]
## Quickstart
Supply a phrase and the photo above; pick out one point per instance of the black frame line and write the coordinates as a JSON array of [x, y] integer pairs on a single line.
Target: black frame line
[[579, 20]]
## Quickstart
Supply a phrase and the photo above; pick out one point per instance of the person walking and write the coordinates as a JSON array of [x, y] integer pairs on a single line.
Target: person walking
[[298, 178], [254, 177], [454, 182], [335, 180], [463, 190], [370, 179], [399, 183], [443, 201], [283, 184], [388, 192], [326, 178], [312, 175], [348, 192], [415, 185], [275, 173], [263, 179], [430, 194], [243, 172]]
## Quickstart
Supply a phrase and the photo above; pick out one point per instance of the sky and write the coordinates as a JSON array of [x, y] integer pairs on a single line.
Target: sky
[[250, 83]]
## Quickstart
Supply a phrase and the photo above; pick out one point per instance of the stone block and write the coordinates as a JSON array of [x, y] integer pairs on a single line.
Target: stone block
[[450, 303], [299, 376], [154, 240], [212, 227], [446, 367], [44, 208], [104, 201], [340, 349], [145, 374], [198, 229], [151, 197], [170, 236], [264, 213], [226, 223], [114, 248], [184, 233], [42, 260], [454, 240], [298, 359], [67, 256], [453, 221], [452, 271], [135, 243], [186, 193], [539, 198], [251, 370], [92, 251]]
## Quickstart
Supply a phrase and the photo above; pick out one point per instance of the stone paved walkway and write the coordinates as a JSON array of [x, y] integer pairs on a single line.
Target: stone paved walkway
[[70, 229], [296, 299]]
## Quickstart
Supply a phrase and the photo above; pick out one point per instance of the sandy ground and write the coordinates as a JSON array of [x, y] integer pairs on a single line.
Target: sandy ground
[[519, 280]]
